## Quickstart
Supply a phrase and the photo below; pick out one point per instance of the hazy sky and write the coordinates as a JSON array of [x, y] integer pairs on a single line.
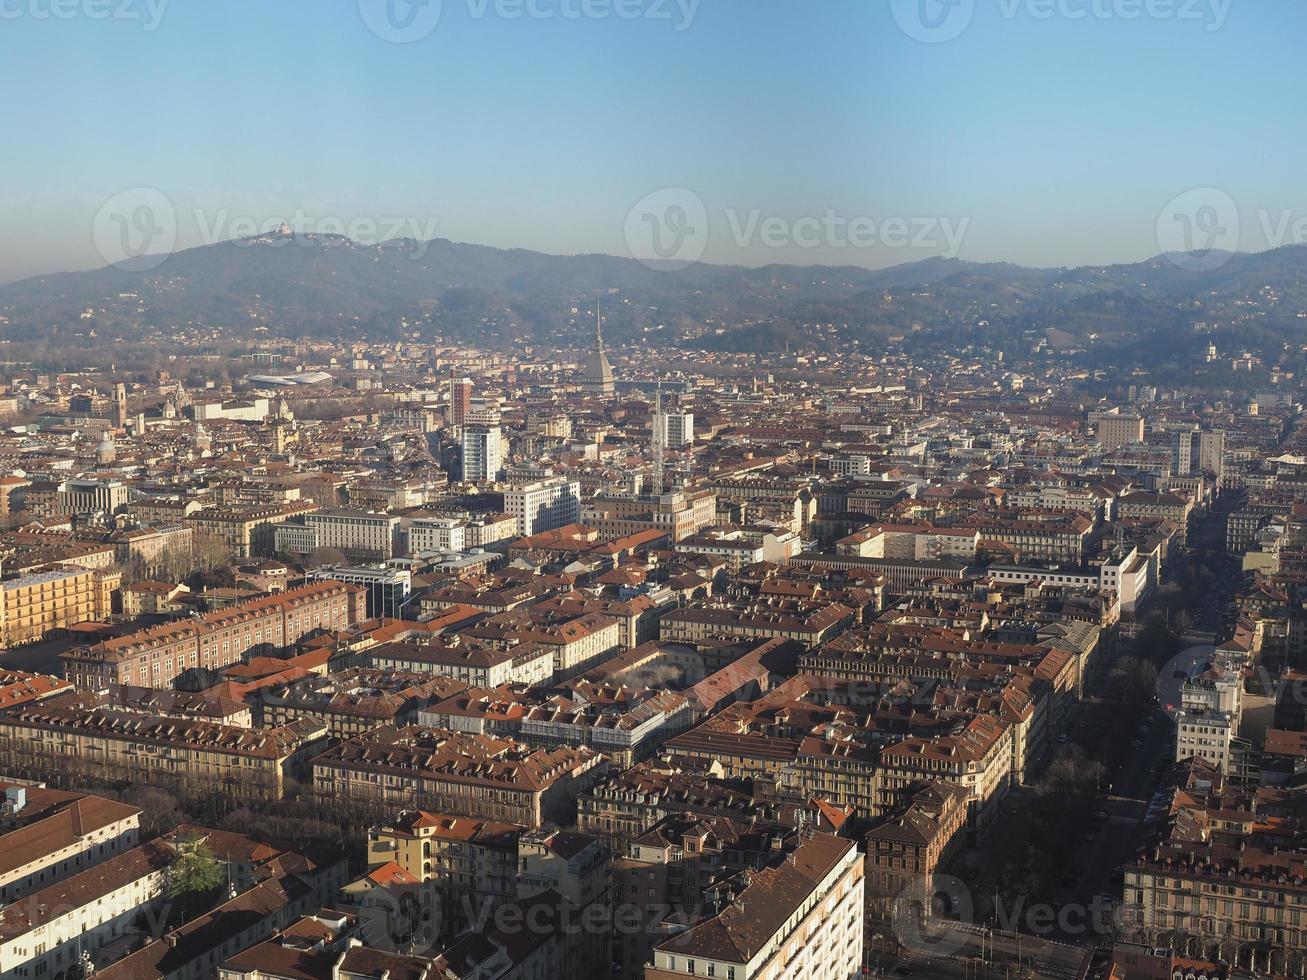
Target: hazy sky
[[1046, 132]]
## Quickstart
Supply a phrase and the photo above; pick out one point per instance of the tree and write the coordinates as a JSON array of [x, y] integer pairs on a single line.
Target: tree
[[194, 878]]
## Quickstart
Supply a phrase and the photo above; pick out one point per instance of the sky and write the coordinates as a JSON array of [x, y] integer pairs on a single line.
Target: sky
[[858, 132]]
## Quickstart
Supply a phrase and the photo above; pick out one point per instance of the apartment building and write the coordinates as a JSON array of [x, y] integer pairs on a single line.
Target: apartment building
[[799, 918], [157, 655], [64, 925], [88, 734], [1114, 430], [356, 700], [474, 664], [544, 505], [33, 605], [978, 758], [247, 532], [483, 453], [1228, 890], [1174, 507], [811, 622], [51, 835], [680, 513], [360, 535], [459, 774], [1208, 717], [463, 854], [912, 842], [426, 534]]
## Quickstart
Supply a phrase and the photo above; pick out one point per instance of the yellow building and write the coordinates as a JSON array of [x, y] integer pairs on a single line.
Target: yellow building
[[33, 605]]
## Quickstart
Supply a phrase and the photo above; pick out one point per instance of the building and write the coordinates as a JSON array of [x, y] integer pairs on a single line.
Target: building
[[1207, 722], [1200, 451], [240, 410], [799, 918], [544, 505], [91, 497], [354, 701], [244, 532], [65, 925], [466, 857], [387, 589], [460, 400], [597, 374], [912, 843], [51, 835], [33, 605], [482, 453], [81, 735], [1220, 878], [428, 534], [678, 429], [458, 774], [475, 664], [356, 533], [1116, 430], [157, 655]]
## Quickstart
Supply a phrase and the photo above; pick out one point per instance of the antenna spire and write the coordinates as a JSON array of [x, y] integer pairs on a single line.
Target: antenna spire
[[657, 445]]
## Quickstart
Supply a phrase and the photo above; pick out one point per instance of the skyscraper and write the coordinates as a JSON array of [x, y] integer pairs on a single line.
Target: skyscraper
[[460, 400], [482, 453]]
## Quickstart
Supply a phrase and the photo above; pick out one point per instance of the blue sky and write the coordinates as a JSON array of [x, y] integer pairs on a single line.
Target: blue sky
[[1049, 139]]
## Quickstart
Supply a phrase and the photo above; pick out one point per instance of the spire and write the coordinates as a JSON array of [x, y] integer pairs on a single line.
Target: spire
[[658, 443], [599, 335]]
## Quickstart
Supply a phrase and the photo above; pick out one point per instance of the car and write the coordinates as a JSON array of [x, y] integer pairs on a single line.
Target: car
[[1101, 815]]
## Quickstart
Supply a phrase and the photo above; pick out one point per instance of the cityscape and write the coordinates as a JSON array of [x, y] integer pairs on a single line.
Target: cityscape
[[521, 491]]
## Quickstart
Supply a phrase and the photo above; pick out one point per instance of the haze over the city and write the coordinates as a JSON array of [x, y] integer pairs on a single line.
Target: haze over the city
[[1043, 133]]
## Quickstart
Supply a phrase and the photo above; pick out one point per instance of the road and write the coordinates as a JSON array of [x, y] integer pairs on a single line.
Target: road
[[964, 952]]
